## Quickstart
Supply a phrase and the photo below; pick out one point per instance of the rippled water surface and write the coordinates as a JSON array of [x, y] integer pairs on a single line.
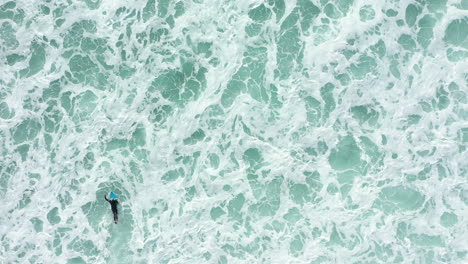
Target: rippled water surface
[[234, 131]]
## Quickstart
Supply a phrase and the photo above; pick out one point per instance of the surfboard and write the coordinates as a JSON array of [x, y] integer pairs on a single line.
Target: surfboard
[[112, 196]]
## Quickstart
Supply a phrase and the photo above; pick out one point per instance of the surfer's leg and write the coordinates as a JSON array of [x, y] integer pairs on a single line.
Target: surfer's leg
[[116, 218]]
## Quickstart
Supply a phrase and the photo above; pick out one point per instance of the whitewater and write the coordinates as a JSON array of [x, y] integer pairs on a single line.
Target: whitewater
[[234, 131]]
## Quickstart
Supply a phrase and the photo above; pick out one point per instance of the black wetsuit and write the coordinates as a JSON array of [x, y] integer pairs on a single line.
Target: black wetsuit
[[114, 204]]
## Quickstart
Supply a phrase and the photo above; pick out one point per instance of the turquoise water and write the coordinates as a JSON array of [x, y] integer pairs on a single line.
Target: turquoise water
[[240, 131]]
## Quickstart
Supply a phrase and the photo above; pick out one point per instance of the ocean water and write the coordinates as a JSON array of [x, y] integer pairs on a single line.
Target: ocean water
[[234, 131]]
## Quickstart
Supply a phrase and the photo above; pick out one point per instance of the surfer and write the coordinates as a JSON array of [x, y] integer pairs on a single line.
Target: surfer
[[114, 204]]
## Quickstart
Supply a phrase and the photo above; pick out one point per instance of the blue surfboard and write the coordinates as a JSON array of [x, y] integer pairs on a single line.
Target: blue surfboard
[[112, 196]]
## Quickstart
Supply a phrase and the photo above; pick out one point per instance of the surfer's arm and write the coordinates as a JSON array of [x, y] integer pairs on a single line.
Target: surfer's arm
[[106, 198]]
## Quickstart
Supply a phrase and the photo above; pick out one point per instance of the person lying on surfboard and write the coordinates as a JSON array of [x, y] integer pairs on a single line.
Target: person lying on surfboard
[[113, 201]]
